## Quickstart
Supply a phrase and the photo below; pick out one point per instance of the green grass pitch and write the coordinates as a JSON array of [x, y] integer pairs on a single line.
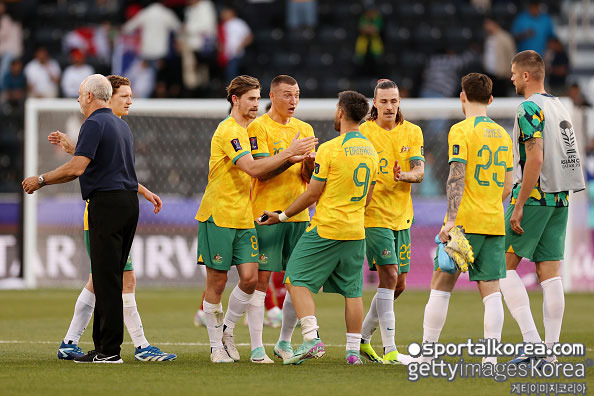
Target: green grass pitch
[[32, 323]]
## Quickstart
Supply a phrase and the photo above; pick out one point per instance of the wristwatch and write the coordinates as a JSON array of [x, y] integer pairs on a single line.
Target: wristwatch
[[41, 181]]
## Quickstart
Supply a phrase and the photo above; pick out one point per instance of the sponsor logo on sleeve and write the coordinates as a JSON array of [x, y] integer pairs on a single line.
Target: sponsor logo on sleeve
[[254, 143], [236, 145], [422, 150], [317, 168], [456, 149]]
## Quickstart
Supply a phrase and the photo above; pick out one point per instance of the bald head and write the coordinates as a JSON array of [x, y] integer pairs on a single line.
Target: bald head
[[97, 85]]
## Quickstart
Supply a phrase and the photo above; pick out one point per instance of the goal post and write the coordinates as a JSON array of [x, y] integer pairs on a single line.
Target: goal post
[[172, 146]]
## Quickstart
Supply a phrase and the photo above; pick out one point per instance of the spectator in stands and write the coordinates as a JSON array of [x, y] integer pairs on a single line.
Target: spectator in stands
[[74, 74], [532, 29], [234, 36], [43, 75], [302, 14], [142, 77], [156, 23], [557, 67], [200, 27], [14, 83], [11, 39], [497, 55], [370, 41], [441, 79], [93, 41], [577, 97]]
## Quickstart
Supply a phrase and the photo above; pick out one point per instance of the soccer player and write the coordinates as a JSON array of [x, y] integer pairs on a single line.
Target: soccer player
[[226, 233], [480, 157], [546, 167], [331, 250], [389, 216], [269, 135], [120, 103]]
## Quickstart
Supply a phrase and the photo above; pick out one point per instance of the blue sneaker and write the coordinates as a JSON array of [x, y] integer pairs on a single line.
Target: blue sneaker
[[523, 357], [153, 354], [69, 351]]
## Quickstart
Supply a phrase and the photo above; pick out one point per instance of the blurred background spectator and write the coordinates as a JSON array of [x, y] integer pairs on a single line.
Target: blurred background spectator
[[302, 14], [533, 28], [155, 22], [497, 55], [557, 66], [234, 36], [43, 75], [14, 84], [369, 47], [75, 74], [11, 39]]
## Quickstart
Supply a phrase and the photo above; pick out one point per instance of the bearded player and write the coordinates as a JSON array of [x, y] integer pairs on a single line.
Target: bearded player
[[226, 232], [120, 103], [389, 215]]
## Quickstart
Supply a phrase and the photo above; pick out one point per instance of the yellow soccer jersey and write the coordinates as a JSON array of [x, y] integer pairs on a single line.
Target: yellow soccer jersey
[[268, 137], [227, 195], [391, 204], [486, 149], [348, 164]]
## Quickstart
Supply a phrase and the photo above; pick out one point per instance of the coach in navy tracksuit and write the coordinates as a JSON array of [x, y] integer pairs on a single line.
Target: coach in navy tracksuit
[[104, 162]]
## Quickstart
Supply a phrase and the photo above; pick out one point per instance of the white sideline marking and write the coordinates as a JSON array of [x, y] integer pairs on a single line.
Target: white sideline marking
[[178, 343]]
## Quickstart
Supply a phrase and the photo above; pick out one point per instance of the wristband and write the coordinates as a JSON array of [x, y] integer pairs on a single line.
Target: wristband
[[283, 217]]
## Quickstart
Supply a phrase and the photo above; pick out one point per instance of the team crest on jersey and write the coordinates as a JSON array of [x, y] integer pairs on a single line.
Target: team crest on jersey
[[217, 258], [236, 145], [404, 149], [263, 259], [386, 253], [422, 150], [316, 168], [456, 149], [254, 143]]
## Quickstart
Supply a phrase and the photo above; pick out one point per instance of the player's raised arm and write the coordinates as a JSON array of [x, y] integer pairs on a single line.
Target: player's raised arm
[[258, 168]]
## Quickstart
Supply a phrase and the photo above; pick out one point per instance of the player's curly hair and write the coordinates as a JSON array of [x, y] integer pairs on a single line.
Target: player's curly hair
[[117, 81], [240, 85], [385, 84]]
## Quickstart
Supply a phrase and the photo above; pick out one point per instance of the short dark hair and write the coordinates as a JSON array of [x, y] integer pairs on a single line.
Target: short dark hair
[[240, 85], [282, 79], [531, 62], [354, 105], [385, 84], [477, 87], [117, 81]]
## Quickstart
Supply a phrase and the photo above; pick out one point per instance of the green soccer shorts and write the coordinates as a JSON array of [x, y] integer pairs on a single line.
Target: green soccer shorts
[[489, 257], [544, 233], [276, 244], [127, 267], [220, 248], [388, 247], [335, 265]]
